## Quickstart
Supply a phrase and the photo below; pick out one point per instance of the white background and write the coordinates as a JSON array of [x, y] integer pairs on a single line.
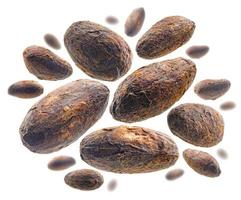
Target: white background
[[24, 175]]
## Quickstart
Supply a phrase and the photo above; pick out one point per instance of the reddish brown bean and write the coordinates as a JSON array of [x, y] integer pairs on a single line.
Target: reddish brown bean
[[129, 150], [46, 65], [228, 105], [98, 51], [174, 174], [63, 115], [112, 185], [61, 163], [197, 51], [196, 124], [112, 20], [202, 162], [152, 89], [52, 41], [85, 179], [134, 22], [165, 37], [26, 89], [222, 154], [211, 89]]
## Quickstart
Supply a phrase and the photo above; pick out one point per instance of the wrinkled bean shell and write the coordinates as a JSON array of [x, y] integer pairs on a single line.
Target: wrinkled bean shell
[[197, 51], [174, 174], [52, 41], [63, 115], [165, 36], [46, 65], [61, 163], [152, 89], [202, 162], [211, 89], [196, 124], [84, 179], [98, 51], [26, 89], [129, 150], [134, 22]]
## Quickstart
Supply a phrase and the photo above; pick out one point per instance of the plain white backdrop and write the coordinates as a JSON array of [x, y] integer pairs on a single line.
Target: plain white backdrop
[[24, 175]]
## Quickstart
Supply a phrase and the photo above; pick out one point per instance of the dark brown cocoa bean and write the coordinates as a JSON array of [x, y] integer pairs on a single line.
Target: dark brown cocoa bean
[[152, 89], [202, 162], [228, 105], [63, 115], [197, 51], [26, 89], [196, 124], [85, 179], [111, 20], [211, 89], [52, 41], [46, 65], [97, 50], [134, 22], [174, 174], [61, 163], [129, 150], [165, 36]]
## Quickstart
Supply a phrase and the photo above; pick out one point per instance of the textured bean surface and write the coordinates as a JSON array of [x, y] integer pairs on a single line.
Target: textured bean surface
[[46, 65], [197, 51], [228, 105], [134, 21], [202, 162], [112, 20], [63, 115], [152, 89], [196, 124], [211, 89], [84, 179], [52, 41], [126, 149], [61, 163], [97, 50], [165, 36], [26, 89], [174, 174]]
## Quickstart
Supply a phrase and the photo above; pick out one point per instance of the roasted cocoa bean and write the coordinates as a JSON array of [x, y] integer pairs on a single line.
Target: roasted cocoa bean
[[165, 36], [129, 150], [46, 65], [26, 89], [97, 50], [196, 124], [152, 89], [63, 115]]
